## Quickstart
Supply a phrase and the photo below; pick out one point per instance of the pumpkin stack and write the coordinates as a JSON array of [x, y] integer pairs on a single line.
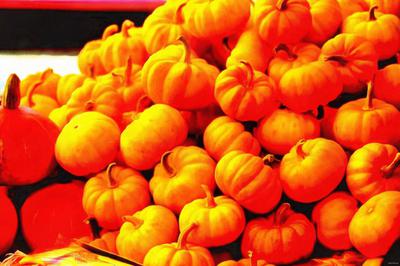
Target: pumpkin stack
[[268, 136]]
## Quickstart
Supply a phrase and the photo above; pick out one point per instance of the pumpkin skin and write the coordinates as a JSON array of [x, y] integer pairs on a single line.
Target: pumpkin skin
[[372, 169], [251, 261], [383, 30], [282, 129], [349, 7], [198, 120], [53, 216], [217, 143], [179, 253], [375, 226], [114, 193], [293, 56], [373, 262], [61, 116], [156, 130], [183, 81], [107, 242], [152, 226], [304, 88], [67, 85], [307, 182], [327, 122], [282, 21], [387, 84], [332, 217], [283, 237], [249, 180], [90, 135], [178, 178], [345, 258], [48, 83], [326, 20], [220, 220], [245, 94], [17, 147], [9, 222], [354, 57], [386, 6], [364, 121]]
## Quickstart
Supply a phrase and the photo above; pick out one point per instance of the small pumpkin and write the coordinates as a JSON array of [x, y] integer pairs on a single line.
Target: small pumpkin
[[132, 89], [372, 169], [220, 220], [349, 7], [107, 242], [387, 84], [61, 116], [152, 226], [67, 85], [345, 258], [198, 120], [9, 221], [127, 117], [386, 6], [312, 169], [250, 261], [373, 262], [48, 83], [92, 136]]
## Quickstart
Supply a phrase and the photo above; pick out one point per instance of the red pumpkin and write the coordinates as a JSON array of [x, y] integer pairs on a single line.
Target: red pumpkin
[[9, 221], [387, 84]]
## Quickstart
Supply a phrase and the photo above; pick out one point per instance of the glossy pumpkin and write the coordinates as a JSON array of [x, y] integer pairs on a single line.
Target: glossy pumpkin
[[90, 135], [48, 83], [372, 169], [9, 221], [387, 84], [375, 226], [312, 169], [177, 179], [67, 85], [24, 134]]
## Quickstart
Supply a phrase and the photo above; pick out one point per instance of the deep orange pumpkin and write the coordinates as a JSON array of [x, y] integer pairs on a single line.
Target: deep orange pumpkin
[[387, 84], [9, 223], [327, 122]]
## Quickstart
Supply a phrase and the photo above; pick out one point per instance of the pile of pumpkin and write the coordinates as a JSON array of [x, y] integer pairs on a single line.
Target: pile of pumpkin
[[196, 130]]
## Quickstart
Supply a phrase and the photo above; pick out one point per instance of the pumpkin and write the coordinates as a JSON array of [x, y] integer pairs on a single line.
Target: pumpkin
[[326, 20], [156, 130], [179, 253], [249, 180], [220, 49], [198, 120], [9, 221], [349, 7], [245, 94], [48, 83], [60, 116], [312, 169], [387, 84], [386, 6], [67, 85], [283, 237], [345, 258], [142, 103], [92, 136], [305, 88], [24, 134], [53, 216], [332, 217], [107, 241], [224, 134], [202, 18], [112, 194], [282, 129], [117, 48], [291, 56], [177, 179], [364, 121], [251, 261], [375, 226], [372, 169], [282, 21], [383, 30], [182, 81], [152, 226], [220, 220], [354, 57], [327, 122], [373, 262]]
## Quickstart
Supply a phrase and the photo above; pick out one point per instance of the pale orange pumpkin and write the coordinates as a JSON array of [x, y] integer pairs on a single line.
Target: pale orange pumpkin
[[349, 7], [48, 83], [68, 84]]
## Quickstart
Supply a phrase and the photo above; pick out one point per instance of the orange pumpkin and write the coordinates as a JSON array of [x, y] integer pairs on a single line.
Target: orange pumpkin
[[332, 217], [174, 76], [61, 116], [224, 134], [251, 261], [67, 85], [245, 94], [156, 130], [47, 86], [349, 7], [364, 121], [152, 226], [304, 88], [107, 242], [373, 262], [327, 122], [198, 120], [375, 226], [179, 253], [92, 136], [283, 237], [9, 222], [282, 21], [379, 28], [289, 57], [386, 6], [372, 169], [249, 180], [282, 129], [387, 84], [347, 258], [312, 169], [114, 193], [127, 117], [177, 178], [354, 57], [220, 220]]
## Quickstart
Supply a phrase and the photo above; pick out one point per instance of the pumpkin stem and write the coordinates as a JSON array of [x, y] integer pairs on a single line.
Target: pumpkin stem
[[167, 167], [337, 58], [368, 100], [281, 4], [389, 169], [143, 102], [250, 74], [90, 105], [209, 197], [128, 72], [253, 261], [126, 25], [110, 30], [282, 213], [110, 180], [285, 48], [91, 71], [269, 159], [11, 94], [137, 222], [178, 18], [187, 52], [182, 239], [372, 12], [299, 148]]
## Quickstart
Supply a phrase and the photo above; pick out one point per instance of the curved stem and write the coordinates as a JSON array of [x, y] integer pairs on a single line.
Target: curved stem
[[368, 99], [250, 74], [126, 25], [110, 180], [389, 169], [143, 102], [182, 239], [178, 18], [337, 58], [128, 72], [110, 30], [209, 197], [282, 213], [299, 148], [11, 95], [285, 48], [136, 222], [253, 260], [281, 4], [372, 12], [164, 163], [90, 105], [187, 53], [269, 159]]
